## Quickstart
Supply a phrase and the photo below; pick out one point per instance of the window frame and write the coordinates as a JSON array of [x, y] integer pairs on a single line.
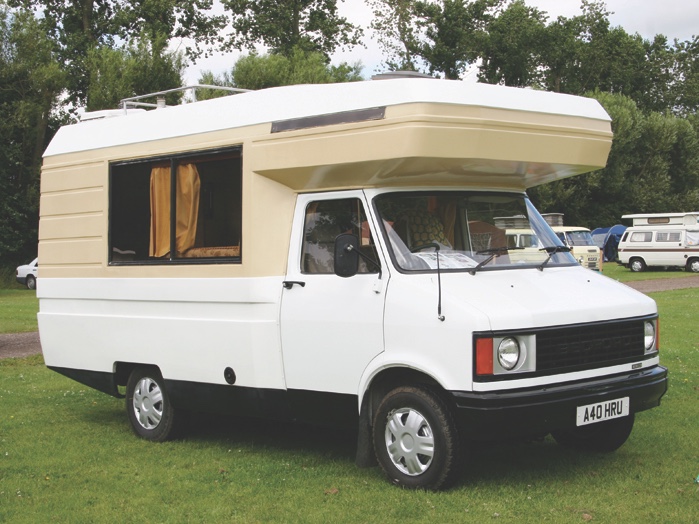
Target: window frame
[[174, 159]]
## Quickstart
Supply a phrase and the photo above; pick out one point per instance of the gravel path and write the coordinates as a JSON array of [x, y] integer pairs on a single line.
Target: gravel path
[[25, 344]]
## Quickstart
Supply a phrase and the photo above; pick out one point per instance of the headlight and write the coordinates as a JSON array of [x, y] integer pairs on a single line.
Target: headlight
[[508, 353], [649, 335]]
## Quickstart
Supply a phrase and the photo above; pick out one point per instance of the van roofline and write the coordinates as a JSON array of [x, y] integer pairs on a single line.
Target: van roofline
[[285, 103]]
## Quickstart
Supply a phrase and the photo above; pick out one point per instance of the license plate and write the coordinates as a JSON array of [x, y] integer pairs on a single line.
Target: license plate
[[603, 411]]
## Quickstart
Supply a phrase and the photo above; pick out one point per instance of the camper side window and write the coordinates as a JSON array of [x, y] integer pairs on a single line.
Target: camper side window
[[641, 236], [668, 236], [183, 208]]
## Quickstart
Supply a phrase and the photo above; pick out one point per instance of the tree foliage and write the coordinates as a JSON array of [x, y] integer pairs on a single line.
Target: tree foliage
[[80, 27], [653, 167], [440, 36], [270, 70], [121, 73], [511, 53], [30, 83], [286, 25]]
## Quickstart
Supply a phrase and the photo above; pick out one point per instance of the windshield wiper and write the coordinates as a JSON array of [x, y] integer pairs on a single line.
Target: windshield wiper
[[552, 250], [493, 252]]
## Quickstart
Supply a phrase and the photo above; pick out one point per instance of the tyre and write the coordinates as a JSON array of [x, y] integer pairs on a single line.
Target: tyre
[[148, 406], [30, 282], [693, 265], [415, 439], [603, 437], [637, 265]]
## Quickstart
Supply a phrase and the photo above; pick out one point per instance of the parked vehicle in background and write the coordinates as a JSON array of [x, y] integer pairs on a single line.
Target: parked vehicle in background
[[332, 254], [578, 239], [607, 239], [26, 274], [661, 240]]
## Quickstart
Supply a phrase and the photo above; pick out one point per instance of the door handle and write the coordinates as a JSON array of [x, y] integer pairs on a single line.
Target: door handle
[[288, 284]]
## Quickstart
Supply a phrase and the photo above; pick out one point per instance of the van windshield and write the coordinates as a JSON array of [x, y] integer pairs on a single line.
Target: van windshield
[[470, 230], [578, 238]]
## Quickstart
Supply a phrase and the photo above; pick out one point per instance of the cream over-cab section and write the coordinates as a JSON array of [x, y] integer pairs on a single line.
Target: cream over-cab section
[[362, 255], [294, 139]]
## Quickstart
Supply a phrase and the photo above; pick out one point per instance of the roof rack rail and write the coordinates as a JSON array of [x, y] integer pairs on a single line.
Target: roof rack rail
[[133, 101]]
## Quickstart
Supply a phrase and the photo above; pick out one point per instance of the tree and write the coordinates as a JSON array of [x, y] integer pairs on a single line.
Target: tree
[[511, 54], [397, 32], [139, 69], [686, 88], [440, 36], [270, 70], [78, 27], [454, 33], [30, 84], [286, 25], [653, 167]]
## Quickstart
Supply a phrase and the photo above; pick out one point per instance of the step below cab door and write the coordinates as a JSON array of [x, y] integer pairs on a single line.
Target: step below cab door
[[331, 327]]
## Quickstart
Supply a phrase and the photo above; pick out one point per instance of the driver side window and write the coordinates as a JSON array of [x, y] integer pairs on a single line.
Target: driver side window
[[324, 221]]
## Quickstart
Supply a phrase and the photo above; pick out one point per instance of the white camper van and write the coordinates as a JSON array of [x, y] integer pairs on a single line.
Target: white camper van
[[661, 239], [329, 254]]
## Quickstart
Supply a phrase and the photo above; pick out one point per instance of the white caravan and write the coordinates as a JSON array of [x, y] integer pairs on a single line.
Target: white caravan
[[329, 254], [661, 239]]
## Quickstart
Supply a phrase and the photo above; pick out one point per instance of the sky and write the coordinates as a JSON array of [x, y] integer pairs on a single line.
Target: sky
[[676, 19]]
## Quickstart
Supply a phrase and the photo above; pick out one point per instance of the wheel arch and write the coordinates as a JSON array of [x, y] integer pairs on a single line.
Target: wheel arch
[[375, 388], [123, 370], [690, 261]]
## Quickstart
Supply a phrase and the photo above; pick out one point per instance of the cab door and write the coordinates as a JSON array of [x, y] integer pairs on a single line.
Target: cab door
[[331, 327]]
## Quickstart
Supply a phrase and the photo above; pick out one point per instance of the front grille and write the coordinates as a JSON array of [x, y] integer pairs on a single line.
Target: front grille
[[589, 346]]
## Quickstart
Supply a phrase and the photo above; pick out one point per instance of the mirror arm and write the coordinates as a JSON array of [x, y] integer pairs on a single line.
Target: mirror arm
[[368, 259]]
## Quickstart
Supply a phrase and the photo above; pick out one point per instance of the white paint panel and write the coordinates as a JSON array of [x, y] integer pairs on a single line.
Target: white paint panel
[[191, 328]]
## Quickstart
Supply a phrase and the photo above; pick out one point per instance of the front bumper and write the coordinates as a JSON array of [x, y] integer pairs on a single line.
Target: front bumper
[[537, 411]]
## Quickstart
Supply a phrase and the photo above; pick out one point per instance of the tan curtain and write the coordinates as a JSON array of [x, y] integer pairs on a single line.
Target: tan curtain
[[187, 209]]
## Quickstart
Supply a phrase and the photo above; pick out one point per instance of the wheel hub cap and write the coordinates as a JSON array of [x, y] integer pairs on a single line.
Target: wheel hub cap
[[409, 441]]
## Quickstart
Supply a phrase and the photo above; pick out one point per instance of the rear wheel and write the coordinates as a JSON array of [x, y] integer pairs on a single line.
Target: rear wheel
[[31, 282], [415, 439], [637, 265], [148, 405], [603, 437], [693, 265]]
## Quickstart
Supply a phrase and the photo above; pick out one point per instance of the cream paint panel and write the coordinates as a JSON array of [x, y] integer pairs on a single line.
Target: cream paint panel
[[267, 219], [384, 152], [72, 202], [265, 234], [83, 175], [68, 227], [73, 252]]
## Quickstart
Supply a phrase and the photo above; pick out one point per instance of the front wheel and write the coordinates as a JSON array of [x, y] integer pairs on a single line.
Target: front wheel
[[603, 437], [693, 265], [415, 439], [637, 265], [148, 406]]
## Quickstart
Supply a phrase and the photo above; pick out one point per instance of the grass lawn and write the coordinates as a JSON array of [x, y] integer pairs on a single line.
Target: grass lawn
[[620, 273], [18, 308], [67, 454]]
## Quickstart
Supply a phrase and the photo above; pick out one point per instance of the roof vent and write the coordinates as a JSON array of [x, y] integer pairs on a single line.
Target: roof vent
[[400, 74]]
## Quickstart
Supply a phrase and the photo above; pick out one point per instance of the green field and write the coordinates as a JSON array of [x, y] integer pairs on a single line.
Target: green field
[[18, 308], [67, 455]]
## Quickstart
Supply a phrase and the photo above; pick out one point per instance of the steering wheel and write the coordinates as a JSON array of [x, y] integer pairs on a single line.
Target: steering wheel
[[419, 248]]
